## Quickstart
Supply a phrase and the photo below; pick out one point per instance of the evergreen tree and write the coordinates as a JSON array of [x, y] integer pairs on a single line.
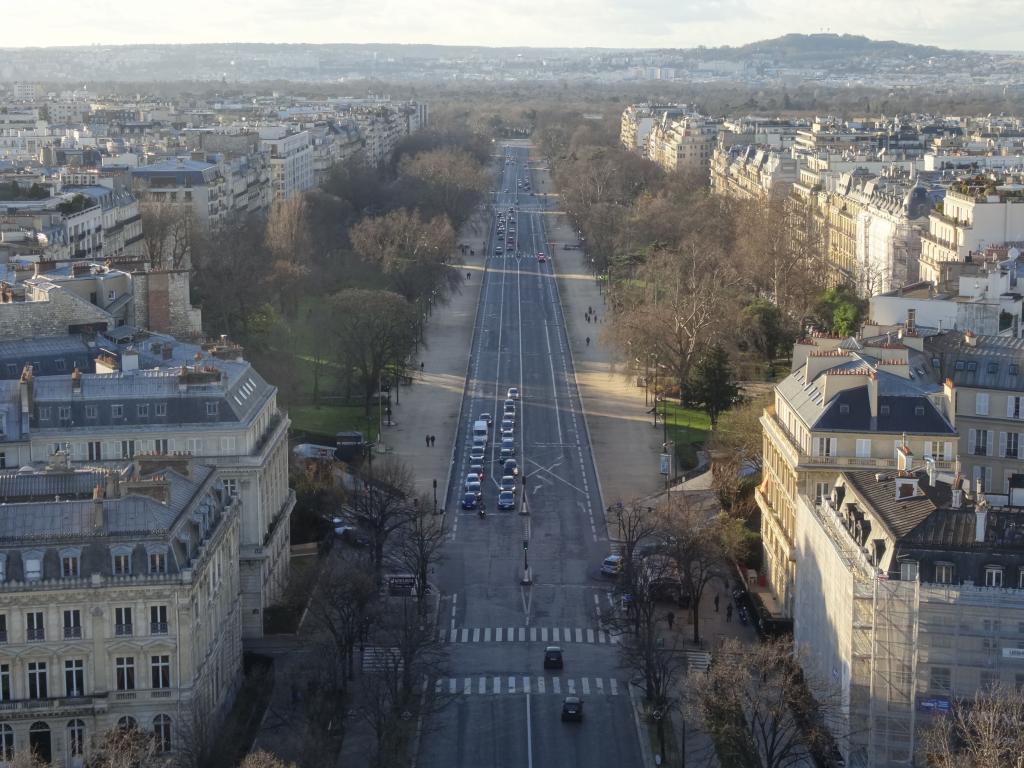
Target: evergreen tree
[[713, 382]]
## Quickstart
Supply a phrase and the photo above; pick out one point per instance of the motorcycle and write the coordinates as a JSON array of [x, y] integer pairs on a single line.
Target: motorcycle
[[482, 512]]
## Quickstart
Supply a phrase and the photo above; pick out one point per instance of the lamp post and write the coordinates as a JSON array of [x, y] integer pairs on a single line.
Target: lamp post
[[435, 495]]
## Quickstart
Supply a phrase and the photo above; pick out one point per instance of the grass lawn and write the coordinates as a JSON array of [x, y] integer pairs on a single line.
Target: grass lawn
[[329, 419], [686, 426]]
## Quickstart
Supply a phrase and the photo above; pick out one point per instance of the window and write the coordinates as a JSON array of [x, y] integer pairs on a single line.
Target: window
[[44, 413], [158, 562], [944, 573], [127, 723], [162, 733], [936, 363], [959, 365], [939, 679], [1011, 447], [74, 677], [122, 621], [844, 408], [3, 625], [993, 576], [142, 410], [34, 627], [228, 444], [161, 409], [127, 449], [987, 679], [908, 570], [972, 366], [122, 562], [1013, 369], [116, 411], [37, 688], [194, 445], [76, 738], [161, 446], [883, 410], [231, 486], [158, 619], [979, 445], [1013, 407], [72, 624], [981, 404], [6, 742], [91, 412], [64, 413], [124, 669], [863, 449], [919, 410], [211, 409], [95, 450], [993, 368], [160, 668], [33, 566], [70, 564], [992, 625], [825, 446]]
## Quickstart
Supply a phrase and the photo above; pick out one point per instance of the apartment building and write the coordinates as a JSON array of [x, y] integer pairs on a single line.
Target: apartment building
[[118, 604], [125, 392], [193, 185], [910, 594], [846, 405], [291, 160], [685, 143], [748, 172], [976, 213]]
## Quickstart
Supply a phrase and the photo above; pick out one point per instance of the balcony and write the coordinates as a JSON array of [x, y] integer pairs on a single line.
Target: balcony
[[125, 695], [72, 633], [123, 630], [36, 705], [35, 635], [158, 628]]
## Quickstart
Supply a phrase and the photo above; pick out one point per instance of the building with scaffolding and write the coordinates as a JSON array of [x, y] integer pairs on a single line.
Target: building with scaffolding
[[910, 593]]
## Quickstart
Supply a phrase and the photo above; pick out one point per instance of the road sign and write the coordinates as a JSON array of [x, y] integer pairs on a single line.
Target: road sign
[[666, 460]]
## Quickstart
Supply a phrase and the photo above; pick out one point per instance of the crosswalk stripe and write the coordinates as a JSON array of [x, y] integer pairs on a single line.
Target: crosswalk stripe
[[453, 635], [600, 684], [522, 634], [511, 684], [613, 685], [602, 636], [467, 685], [533, 634], [465, 635], [579, 635], [585, 685], [540, 685], [451, 685], [441, 635], [570, 684], [476, 635], [556, 685], [554, 635], [543, 634], [590, 635], [497, 634], [487, 635], [510, 635], [567, 634], [497, 685], [437, 686], [526, 684]]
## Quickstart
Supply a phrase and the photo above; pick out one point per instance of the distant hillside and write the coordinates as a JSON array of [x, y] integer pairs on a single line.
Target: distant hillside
[[824, 47]]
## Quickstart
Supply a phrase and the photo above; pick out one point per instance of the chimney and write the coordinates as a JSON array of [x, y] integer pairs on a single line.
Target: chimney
[[873, 397], [905, 459], [929, 462], [980, 519], [113, 485], [906, 487], [957, 499], [970, 339], [98, 517], [76, 381], [129, 360], [27, 388]]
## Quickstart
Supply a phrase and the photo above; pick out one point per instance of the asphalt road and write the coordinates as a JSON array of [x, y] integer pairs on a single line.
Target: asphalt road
[[500, 707]]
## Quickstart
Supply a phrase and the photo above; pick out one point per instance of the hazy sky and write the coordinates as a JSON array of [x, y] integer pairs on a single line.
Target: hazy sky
[[989, 25]]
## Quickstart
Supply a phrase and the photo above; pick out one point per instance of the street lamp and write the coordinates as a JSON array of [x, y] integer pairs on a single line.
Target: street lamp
[[435, 495]]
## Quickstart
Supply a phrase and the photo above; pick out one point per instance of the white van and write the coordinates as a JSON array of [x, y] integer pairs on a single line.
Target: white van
[[480, 430]]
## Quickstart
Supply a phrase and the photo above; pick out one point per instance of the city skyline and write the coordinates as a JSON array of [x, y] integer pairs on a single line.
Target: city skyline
[[572, 24]]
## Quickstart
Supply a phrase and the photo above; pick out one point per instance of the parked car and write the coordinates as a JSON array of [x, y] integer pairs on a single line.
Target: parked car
[[507, 423], [612, 565], [553, 657], [350, 534], [572, 709]]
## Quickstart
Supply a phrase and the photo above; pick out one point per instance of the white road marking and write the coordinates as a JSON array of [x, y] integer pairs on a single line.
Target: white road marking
[[556, 685], [487, 635], [585, 686], [540, 684], [613, 686]]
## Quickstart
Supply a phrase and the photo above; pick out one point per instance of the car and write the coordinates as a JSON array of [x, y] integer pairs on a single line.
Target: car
[[553, 657], [572, 709], [350, 534], [472, 477], [612, 565], [513, 393], [509, 248], [511, 467], [470, 500], [541, 256], [474, 487], [507, 423], [510, 443], [510, 406], [486, 417], [506, 500], [477, 453], [507, 432], [498, 250], [477, 467], [506, 453], [508, 483]]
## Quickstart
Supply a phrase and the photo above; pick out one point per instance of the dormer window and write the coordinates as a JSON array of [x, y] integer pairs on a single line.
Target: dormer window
[[943, 573], [211, 409], [908, 570], [33, 566], [844, 409], [121, 561], [972, 366], [883, 410], [158, 561], [919, 410], [993, 367], [993, 575], [70, 563]]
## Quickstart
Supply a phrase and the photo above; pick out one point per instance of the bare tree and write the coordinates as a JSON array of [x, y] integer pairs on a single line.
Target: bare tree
[[130, 747], [454, 182], [262, 759], [762, 709], [420, 546], [382, 506], [343, 605], [168, 230], [634, 523], [26, 758], [983, 732], [737, 455], [290, 245]]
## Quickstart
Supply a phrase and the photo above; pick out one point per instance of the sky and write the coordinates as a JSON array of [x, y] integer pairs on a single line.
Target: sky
[[536, 23]]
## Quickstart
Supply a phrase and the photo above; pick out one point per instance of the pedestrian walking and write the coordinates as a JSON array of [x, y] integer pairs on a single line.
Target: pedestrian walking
[[588, 341], [467, 276], [421, 366], [588, 318], [716, 602], [590, 310], [670, 618], [432, 439], [428, 441], [728, 612]]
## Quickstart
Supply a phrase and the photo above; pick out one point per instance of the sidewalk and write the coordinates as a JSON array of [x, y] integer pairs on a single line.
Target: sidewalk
[[431, 404], [625, 444]]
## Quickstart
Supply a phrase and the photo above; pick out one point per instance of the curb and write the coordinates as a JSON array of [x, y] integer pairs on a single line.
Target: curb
[[647, 755]]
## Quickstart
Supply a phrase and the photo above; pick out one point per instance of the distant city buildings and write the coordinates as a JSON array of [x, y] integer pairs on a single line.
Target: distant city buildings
[[673, 136]]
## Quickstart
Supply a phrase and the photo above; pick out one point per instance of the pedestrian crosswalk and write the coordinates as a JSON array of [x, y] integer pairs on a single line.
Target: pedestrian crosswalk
[[554, 635], [381, 659], [498, 685]]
